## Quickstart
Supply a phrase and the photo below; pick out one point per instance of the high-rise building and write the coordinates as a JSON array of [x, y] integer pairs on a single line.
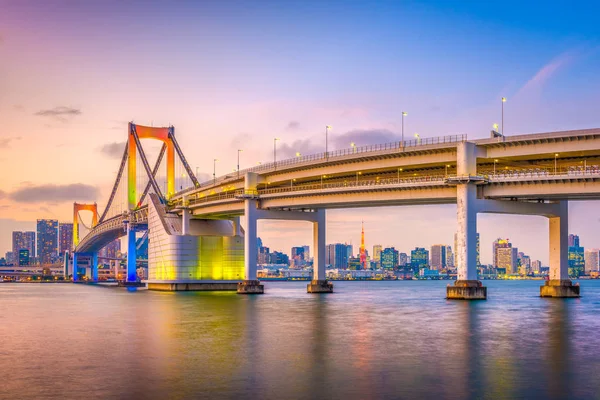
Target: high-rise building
[[377, 252], [298, 253], [349, 250], [499, 244], [336, 255], [23, 257], [573, 240], [306, 253], [507, 259], [438, 256], [402, 259], [536, 266], [576, 257], [591, 260], [419, 258], [524, 262], [10, 257], [449, 257], [47, 240], [389, 258], [65, 238], [23, 241]]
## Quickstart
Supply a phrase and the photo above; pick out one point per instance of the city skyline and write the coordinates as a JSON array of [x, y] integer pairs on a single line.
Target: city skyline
[[74, 94]]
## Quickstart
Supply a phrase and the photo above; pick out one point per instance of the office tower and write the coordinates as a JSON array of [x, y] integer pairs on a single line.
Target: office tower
[[23, 241], [389, 258], [449, 257], [499, 244], [419, 258], [438, 256], [576, 257], [377, 252], [349, 250], [306, 253], [47, 240], [10, 257], [23, 257], [507, 258], [65, 238], [591, 260], [573, 240], [536, 266], [402, 259], [336, 255], [298, 253]]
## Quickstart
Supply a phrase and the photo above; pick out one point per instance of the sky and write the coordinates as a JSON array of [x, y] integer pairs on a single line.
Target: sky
[[236, 74]]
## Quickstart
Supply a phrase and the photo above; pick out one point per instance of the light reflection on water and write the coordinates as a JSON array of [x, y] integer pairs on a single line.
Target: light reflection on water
[[368, 340]]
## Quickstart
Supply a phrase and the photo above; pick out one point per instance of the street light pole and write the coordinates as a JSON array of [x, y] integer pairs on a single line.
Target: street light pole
[[238, 165], [404, 114], [215, 171], [503, 101], [275, 153], [495, 161], [357, 174], [327, 128], [555, 162]]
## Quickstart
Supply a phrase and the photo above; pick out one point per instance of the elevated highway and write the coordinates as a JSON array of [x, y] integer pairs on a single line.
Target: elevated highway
[[543, 168]]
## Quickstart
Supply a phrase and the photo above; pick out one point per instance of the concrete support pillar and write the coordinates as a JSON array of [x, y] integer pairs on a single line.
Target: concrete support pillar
[[559, 284], [466, 159], [131, 255], [185, 221], [94, 266], [236, 226], [66, 264], [75, 276], [250, 285], [319, 283], [467, 285]]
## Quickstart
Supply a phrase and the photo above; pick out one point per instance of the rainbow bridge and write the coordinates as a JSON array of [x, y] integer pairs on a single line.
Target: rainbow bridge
[[196, 241]]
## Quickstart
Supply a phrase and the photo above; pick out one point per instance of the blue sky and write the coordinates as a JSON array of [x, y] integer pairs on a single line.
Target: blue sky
[[237, 74]]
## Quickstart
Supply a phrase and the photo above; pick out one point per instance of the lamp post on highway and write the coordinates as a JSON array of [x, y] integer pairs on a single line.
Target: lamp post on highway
[[495, 161], [447, 166], [215, 171], [418, 138], [322, 176], [327, 128], [238, 164], [399, 170], [275, 153], [555, 162], [353, 146], [503, 101], [404, 114], [357, 174]]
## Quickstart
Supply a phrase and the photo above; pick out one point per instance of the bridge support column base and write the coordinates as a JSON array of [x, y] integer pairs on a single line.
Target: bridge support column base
[[559, 288], [319, 286], [466, 290], [250, 287]]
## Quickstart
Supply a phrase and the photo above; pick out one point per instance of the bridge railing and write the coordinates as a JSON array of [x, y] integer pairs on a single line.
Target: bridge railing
[[558, 173], [324, 156]]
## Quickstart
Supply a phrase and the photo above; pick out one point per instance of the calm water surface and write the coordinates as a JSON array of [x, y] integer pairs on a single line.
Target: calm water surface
[[368, 340]]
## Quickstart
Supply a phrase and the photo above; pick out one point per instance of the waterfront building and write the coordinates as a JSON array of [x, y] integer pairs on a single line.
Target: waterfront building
[[419, 258], [113, 249], [536, 266], [298, 253], [23, 241], [47, 240], [499, 244], [65, 238], [576, 257], [377, 252], [591, 260], [9, 257], [506, 259], [23, 257], [306, 253], [449, 257], [336, 255], [389, 258], [438, 256], [402, 259]]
